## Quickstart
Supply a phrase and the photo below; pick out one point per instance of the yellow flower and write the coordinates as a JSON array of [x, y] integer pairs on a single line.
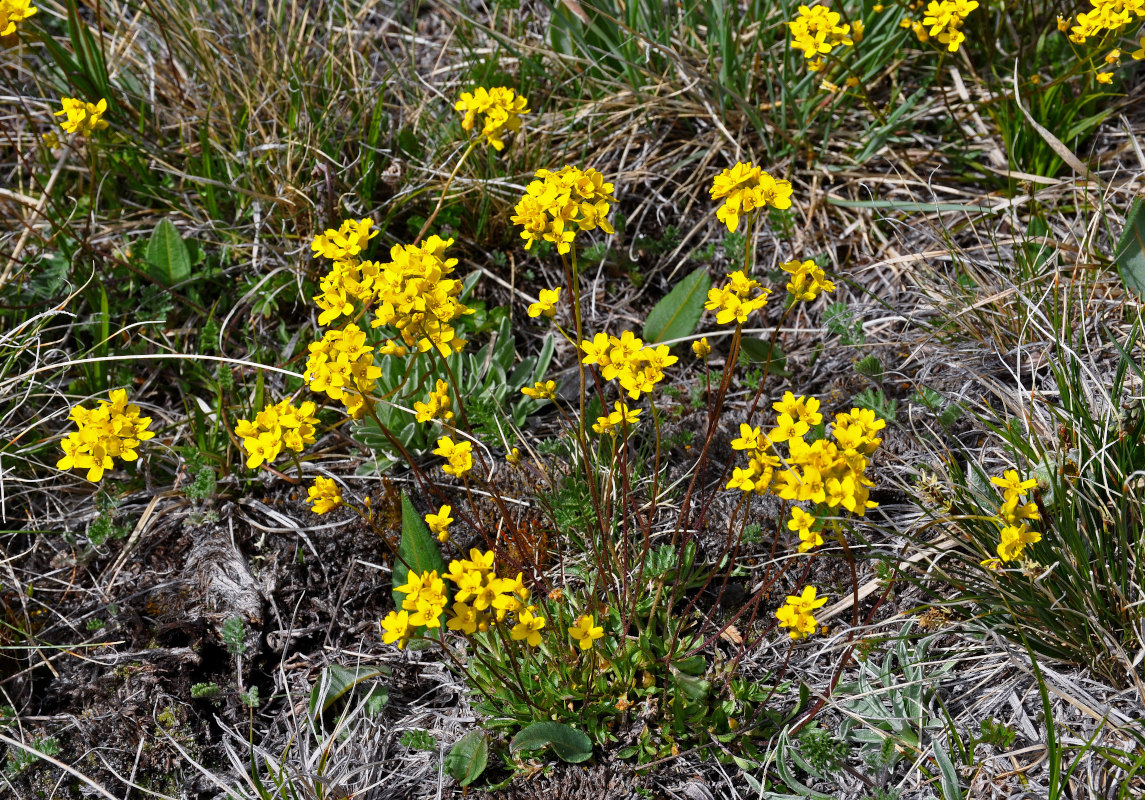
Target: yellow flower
[[342, 366], [324, 495], [465, 618], [807, 280], [541, 390], [546, 303], [560, 204], [83, 118], [459, 456], [425, 597], [1012, 484], [701, 348], [513, 456], [275, 428], [501, 108], [439, 523], [1113, 56], [816, 30], [528, 627], [801, 523], [1063, 23], [1139, 53], [397, 628], [51, 138], [585, 631], [1104, 77], [13, 11], [112, 430]]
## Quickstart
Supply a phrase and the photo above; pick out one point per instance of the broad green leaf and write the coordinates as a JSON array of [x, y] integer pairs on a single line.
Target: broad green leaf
[[676, 315], [336, 681], [567, 742], [418, 550], [1130, 254], [468, 757], [168, 259]]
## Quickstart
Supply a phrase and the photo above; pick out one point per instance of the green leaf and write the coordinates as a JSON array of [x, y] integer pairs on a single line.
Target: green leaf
[[167, 255], [468, 758], [567, 742], [418, 549], [760, 352], [1130, 251], [336, 681], [951, 788], [676, 315]]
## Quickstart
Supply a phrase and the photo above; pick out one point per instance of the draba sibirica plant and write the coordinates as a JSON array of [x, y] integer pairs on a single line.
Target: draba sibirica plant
[[499, 110], [1013, 518], [746, 188], [112, 430], [276, 428], [817, 30]]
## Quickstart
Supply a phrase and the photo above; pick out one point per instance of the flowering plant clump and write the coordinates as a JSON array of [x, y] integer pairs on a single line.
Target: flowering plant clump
[[112, 430], [562, 203], [746, 188], [13, 11], [351, 279], [83, 118], [500, 108], [275, 428]]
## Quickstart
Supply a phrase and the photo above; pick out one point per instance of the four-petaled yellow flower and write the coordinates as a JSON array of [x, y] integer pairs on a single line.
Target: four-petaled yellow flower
[[501, 109], [816, 31], [528, 627], [585, 631], [324, 495], [623, 418], [801, 522], [546, 303], [83, 118], [737, 299], [397, 628], [342, 366]]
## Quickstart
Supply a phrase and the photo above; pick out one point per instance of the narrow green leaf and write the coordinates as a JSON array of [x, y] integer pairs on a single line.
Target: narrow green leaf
[[168, 259], [468, 758], [1130, 253], [567, 742], [676, 315], [951, 788], [418, 549]]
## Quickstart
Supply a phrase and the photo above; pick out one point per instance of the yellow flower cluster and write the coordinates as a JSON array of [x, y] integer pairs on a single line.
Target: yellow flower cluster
[[501, 109], [824, 472], [415, 296], [425, 598], [622, 419], [439, 523], [458, 455], [113, 430], [637, 367], [816, 31], [745, 188], [482, 597], [13, 11], [342, 366], [737, 299], [1105, 16], [942, 21], [1015, 534], [807, 280], [437, 405], [797, 615], [350, 278], [83, 118], [325, 495], [279, 426], [562, 203]]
